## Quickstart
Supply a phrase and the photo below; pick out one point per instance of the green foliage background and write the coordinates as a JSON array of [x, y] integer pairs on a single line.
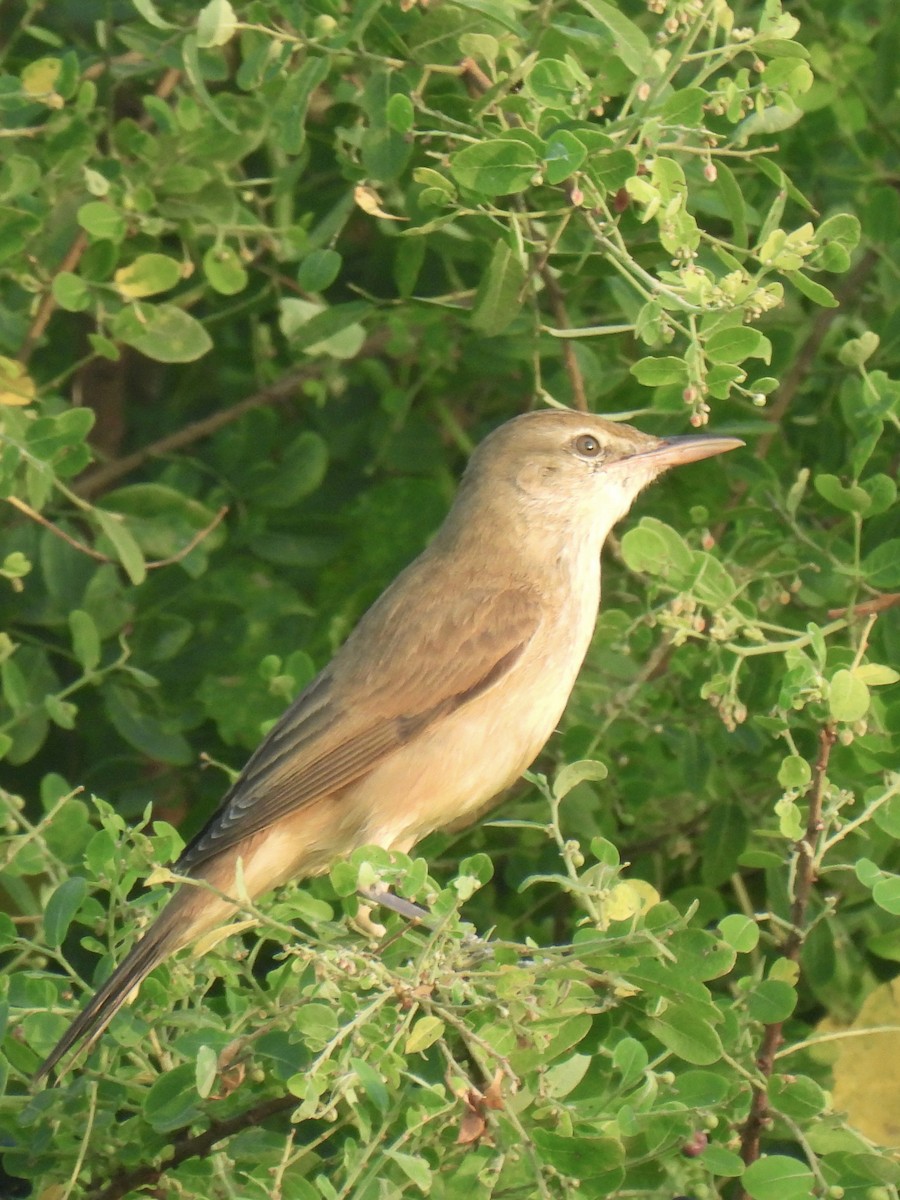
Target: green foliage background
[[267, 272]]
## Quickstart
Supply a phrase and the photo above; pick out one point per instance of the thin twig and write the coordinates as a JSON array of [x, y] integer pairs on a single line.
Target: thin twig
[[47, 306], [759, 1116], [34, 515], [198, 537], [570, 359]]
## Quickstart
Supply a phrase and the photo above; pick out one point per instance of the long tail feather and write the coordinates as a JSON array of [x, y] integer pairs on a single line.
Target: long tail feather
[[172, 928]]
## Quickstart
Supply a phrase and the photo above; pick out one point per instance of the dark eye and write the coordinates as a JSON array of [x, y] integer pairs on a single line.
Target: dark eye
[[587, 445]]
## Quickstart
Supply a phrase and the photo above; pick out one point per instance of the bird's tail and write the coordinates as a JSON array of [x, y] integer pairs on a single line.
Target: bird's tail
[[174, 927]]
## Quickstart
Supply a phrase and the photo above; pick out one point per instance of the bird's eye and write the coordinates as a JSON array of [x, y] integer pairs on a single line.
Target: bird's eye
[[587, 445]]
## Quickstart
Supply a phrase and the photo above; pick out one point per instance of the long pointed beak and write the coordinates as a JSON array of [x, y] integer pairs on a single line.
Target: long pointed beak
[[676, 451]]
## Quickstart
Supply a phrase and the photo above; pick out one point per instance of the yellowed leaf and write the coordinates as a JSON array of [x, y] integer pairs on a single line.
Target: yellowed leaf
[[39, 77], [630, 898], [16, 385], [369, 201]]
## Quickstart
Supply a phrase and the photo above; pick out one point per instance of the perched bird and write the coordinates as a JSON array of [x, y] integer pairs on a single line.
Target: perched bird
[[444, 693]]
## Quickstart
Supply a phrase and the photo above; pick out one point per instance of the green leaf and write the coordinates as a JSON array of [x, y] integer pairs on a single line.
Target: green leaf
[[630, 43], [794, 772], [206, 1069], [737, 343], [85, 638], [876, 675], [740, 932], [399, 113], [630, 1059], [224, 269], [298, 473], [320, 268], [848, 696], [71, 292], [852, 499], [335, 331], [216, 24], [882, 493], [564, 155], [551, 83], [564, 1077], [655, 372], [812, 290], [194, 72], [655, 548], [772, 1001], [500, 292], [843, 229], [881, 567], [610, 169], [127, 550], [719, 1161], [372, 1083], [150, 13], [61, 909], [163, 332], [172, 1099], [102, 221], [686, 1033], [574, 773], [426, 1031], [797, 1096], [723, 843], [289, 112], [147, 275], [61, 712], [500, 166], [579, 1157], [886, 894], [413, 1166], [684, 107], [143, 730], [777, 1177]]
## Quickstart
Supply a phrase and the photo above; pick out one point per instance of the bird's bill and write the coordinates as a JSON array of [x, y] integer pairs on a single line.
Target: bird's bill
[[675, 451]]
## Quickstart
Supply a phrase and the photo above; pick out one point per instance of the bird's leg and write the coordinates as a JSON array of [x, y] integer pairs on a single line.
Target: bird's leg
[[397, 904]]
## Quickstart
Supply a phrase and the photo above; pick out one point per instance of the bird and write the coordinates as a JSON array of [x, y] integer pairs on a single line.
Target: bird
[[444, 693]]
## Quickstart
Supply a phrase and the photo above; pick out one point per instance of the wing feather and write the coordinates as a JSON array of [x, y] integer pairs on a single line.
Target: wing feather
[[391, 681]]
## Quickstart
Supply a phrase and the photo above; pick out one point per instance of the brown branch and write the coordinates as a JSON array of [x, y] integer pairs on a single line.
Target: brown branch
[[188, 1145], [34, 515], [47, 306], [101, 478], [570, 359], [759, 1115], [866, 608]]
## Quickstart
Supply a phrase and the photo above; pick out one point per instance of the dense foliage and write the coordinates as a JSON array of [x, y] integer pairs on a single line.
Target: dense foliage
[[267, 272]]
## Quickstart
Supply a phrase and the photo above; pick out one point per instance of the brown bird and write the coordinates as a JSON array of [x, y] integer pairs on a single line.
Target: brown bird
[[445, 692]]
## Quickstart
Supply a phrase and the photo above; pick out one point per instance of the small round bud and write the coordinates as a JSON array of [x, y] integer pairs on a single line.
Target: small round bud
[[710, 173]]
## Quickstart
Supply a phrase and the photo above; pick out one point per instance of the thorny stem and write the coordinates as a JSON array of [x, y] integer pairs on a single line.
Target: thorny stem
[[759, 1116]]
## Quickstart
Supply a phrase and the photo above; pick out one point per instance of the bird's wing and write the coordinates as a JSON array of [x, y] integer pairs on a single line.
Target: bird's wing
[[385, 687]]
